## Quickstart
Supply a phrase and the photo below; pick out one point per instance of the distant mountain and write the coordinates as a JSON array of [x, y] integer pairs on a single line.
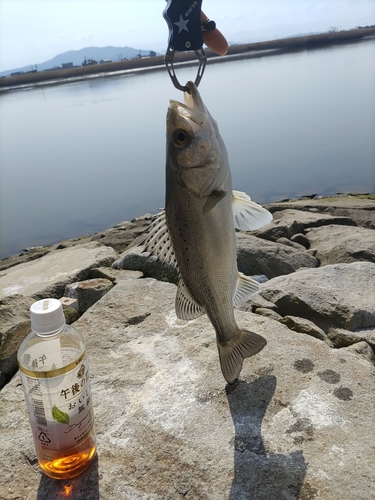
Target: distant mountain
[[78, 56]]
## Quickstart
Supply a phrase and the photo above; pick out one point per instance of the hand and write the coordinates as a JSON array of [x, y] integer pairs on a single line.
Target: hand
[[214, 39]]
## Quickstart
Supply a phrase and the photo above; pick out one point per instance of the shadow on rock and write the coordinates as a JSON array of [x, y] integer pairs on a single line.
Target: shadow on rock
[[83, 487], [259, 476]]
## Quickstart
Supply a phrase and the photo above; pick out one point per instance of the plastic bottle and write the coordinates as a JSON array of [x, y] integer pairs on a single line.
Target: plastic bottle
[[55, 376]]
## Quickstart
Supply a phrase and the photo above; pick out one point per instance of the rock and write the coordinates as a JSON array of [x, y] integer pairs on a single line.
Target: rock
[[343, 338], [296, 425], [362, 349], [305, 326], [301, 240], [336, 244], [71, 315], [361, 210], [287, 223], [115, 275], [312, 219], [258, 256], [14, 327], [135, 259], [88, 292], [257, 302], [363, 218], [26, 256], [69, 303], [277, 229], [268, 313], [324, 297], [290, 243], [48, 276], [123, 235]]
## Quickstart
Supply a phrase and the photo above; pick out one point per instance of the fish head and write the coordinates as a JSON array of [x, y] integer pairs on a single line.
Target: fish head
[[196, 153]]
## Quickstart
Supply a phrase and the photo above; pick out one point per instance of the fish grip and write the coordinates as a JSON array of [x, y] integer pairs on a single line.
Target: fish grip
[[183, 18]]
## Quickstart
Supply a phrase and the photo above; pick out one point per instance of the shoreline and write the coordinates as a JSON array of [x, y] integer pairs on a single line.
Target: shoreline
[[138, 225], [156, 63]]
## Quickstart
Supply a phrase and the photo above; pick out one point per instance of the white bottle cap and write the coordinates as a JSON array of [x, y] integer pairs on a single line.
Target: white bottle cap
[[47, 316]]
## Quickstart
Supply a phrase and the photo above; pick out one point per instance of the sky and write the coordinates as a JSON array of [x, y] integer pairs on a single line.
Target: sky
[[34, 31]]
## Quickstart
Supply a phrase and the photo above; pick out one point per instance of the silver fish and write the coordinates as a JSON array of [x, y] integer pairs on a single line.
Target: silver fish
[[196, 230]]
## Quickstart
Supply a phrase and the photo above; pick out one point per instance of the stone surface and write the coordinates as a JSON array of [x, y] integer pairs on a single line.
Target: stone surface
[[71, 315], [48, 276], [325, 297], [123, 235], [135, 259], [287, 223], [14, 326], [363, 350], [258, 256], [68, 303], [290, 243], [301, 240], [305, 326], [297, 426], [115, 275], [360, 209], [268, 313], [342, 244], [88, 292], [343, 338]]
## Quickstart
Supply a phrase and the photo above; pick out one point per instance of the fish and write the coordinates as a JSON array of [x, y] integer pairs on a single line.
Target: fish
[[195, 231]]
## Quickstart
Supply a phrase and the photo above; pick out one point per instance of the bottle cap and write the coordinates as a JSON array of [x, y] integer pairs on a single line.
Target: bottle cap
[[47, 316]]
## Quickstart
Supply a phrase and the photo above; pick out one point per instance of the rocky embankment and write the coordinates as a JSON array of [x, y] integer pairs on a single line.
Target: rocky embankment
[[299, 423]]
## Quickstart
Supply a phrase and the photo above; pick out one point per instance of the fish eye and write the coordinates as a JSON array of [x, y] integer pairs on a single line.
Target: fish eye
[[181, 138]]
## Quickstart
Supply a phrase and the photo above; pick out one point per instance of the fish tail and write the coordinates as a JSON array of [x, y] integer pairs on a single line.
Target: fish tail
[[232, 354]]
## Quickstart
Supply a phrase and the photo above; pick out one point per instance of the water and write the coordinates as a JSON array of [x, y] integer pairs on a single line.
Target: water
[[81, 157]]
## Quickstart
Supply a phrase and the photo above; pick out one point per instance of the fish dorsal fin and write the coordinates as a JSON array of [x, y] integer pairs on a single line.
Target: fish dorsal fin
[[246, 288], [158, 241], [248, 215], [186, 307]]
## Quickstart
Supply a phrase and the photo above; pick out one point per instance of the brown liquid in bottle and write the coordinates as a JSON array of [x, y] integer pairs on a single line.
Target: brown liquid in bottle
[[69, 463]]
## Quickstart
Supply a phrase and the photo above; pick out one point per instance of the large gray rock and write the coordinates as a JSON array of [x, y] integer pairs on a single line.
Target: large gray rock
[[287, 223], [343, 338], [14, 326], [259, 256], [297, 426], [361, 210], [48, 276], [88, 292], [336, 244], [123, 235], [362, 349], [305, 326], [136, 259], [340, 295]]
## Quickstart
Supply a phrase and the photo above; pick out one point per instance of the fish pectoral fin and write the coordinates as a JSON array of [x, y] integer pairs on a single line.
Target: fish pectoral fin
[[186, 307], [248, 215], [158, 241], [246, 288], [232, 355], [213, 199]]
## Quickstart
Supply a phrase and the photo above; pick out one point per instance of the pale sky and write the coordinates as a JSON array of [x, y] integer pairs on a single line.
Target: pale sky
[[34, 31]]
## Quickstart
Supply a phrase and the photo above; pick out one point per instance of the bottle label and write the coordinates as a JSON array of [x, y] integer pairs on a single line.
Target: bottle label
[[60, 407]]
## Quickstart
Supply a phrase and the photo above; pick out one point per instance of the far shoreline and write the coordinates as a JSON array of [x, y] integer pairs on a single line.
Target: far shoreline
[[156, 63]]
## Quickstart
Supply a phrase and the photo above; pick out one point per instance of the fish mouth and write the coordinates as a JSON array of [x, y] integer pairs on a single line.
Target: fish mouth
[[192, 108]]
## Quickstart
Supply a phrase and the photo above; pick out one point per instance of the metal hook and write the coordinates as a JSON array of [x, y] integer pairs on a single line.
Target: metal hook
[[168, 59], [185, 33]]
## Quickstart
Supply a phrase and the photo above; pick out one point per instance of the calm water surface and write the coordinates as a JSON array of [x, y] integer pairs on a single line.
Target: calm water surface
[[81, 157]]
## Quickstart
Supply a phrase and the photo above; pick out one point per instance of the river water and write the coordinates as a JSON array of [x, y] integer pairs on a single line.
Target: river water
[[83, 156]]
